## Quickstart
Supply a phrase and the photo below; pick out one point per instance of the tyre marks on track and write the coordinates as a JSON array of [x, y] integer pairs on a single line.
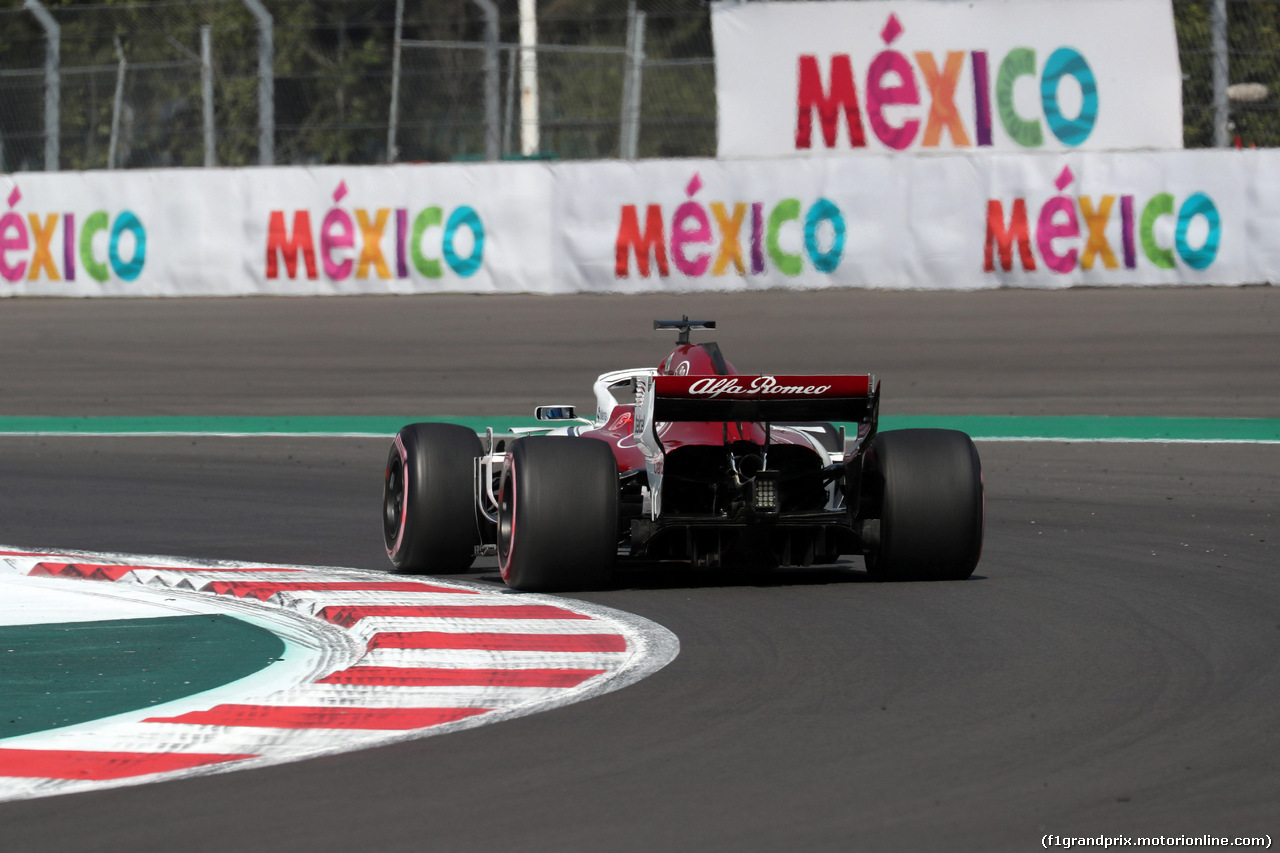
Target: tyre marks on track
[[396, 658]]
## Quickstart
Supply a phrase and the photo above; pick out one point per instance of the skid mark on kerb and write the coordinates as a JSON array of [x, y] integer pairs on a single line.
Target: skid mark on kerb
[[371, 659]]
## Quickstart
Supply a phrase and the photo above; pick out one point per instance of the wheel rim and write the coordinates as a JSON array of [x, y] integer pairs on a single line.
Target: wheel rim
[[506, 520], [393, 500]]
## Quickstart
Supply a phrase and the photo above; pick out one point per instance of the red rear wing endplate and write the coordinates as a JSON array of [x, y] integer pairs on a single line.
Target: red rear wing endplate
[[764, 398]]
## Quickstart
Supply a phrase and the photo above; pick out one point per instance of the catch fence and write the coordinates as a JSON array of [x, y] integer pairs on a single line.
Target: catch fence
[[241, 82]]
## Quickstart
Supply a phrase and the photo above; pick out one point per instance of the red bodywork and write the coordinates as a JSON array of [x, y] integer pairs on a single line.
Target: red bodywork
[[694, 361]]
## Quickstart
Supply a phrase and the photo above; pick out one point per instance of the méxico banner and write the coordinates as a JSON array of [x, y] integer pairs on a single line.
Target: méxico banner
[[299, 230], [956, 221], [946, 222], [923, 76]]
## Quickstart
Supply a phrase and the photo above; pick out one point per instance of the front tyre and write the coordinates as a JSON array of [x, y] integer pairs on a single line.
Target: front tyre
[[931, 505], [429, 521], [558, 514]]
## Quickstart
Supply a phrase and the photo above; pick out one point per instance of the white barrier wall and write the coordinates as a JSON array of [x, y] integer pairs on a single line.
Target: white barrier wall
[[875, 220], [180, 232]]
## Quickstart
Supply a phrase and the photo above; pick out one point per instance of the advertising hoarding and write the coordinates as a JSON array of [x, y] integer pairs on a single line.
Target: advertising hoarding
[[926, 76]]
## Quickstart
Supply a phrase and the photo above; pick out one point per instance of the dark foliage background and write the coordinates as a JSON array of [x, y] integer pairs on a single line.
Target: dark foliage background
[[333, 73]]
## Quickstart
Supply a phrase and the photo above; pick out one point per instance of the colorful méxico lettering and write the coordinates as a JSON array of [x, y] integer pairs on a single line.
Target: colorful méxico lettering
[[692, 236], [890, 81], [341, 254], [29, 245], [1058, 233]]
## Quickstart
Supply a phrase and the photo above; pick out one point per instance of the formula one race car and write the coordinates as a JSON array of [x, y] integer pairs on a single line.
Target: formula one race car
[[688, 462]]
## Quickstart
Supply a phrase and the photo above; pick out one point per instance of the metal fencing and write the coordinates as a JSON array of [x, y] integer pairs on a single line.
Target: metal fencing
[[335, 65], [1230, 72], [239, 82]]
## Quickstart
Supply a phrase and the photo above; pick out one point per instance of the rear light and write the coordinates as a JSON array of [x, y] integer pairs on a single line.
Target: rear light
[[764, 493]]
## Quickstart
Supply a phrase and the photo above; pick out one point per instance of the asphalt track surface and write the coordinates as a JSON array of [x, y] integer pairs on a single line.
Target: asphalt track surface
[[1113, 667]]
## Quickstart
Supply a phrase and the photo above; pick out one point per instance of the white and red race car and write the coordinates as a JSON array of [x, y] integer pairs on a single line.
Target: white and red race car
[[691, 462]]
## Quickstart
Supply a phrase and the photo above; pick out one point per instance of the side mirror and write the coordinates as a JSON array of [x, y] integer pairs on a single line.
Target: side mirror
[[554, 413]]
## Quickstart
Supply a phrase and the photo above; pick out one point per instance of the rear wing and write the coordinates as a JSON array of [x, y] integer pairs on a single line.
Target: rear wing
[[748, 399], [751, 399], [765, 398]]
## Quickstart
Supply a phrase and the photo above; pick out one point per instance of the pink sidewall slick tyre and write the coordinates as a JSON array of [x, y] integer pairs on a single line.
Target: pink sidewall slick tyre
[[429, 518], [558, 514]]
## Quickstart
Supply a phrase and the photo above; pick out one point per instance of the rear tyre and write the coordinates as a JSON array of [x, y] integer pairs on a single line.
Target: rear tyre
[[429, 519], [558, 514], [931, 506]]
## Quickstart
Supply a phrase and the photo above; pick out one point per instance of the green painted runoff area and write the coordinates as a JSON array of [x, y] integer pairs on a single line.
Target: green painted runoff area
[[55, 675], [995, 427]]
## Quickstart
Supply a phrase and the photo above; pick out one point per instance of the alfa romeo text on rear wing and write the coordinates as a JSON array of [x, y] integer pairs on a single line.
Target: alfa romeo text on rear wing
[[762, 398]]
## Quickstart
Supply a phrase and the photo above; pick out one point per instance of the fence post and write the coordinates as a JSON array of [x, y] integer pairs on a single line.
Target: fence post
[[624, 126], [509, 104], [52, 81], [206, 93], [529, 124], [393, 120], [1221, 105], [266, 83], [492, 121], [633, 74], [117, 105]]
